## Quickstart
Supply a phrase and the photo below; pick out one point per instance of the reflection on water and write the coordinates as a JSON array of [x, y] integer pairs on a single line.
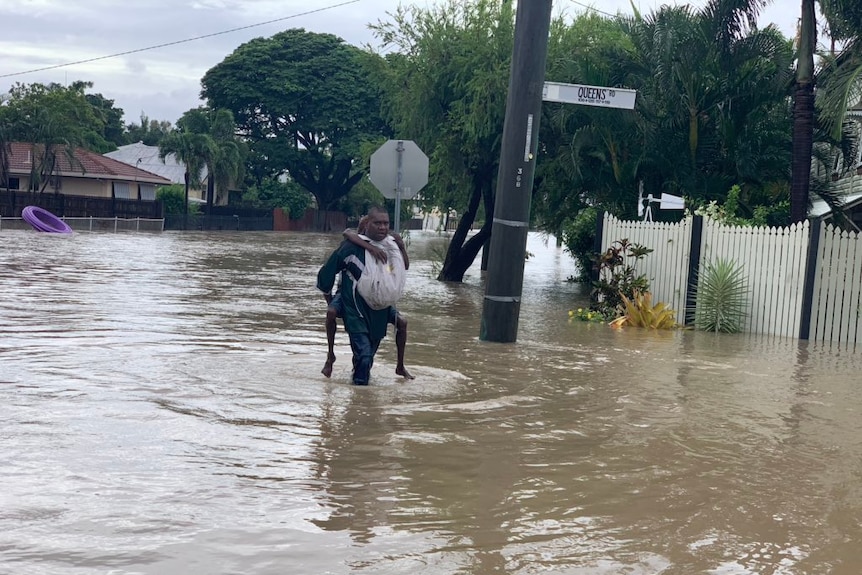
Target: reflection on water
[[163, 413]]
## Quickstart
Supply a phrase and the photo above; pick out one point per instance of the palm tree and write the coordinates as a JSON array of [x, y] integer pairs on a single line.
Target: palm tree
[[190, 149], [217, 147], [710, 86], [821, 115], [225, 155], [803, 115]]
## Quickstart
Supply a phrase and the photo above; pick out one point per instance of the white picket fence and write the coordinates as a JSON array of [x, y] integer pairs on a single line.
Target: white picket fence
[[666, 267], [774, 262], [837, 288]]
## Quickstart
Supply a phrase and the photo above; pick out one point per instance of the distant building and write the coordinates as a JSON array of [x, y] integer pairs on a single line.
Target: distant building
[[83, 173], [847, 184], [147, 158]]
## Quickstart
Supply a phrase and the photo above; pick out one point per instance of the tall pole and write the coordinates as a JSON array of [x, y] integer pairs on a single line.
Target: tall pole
[[399, 178], [515, 176]]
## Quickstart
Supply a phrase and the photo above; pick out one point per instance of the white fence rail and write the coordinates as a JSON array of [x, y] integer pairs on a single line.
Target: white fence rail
[[91, 224], [789, 296]]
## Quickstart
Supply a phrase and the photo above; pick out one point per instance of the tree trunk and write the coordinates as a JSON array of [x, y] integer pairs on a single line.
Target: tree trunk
[[461, 253], [803, 116], [210, 193], [186, 203]]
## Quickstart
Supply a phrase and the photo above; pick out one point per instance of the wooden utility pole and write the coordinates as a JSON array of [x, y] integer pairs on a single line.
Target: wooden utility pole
[[515, 176]]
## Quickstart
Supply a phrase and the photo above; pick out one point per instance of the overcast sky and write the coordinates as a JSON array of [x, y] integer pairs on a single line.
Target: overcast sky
[[164, 82]]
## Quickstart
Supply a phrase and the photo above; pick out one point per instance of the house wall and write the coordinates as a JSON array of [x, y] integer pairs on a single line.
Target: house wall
[[82, 186], [86, 187]]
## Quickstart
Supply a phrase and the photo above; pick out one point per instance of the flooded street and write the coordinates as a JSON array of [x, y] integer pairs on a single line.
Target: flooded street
[[162, 412]]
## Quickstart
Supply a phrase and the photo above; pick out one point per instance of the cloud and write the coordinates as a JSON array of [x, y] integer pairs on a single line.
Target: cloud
[[165, 81]]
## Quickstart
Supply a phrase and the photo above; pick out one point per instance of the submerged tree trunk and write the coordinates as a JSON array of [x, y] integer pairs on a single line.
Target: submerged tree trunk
[[210, 192], [461, 254], [803, 116], [186, 177]]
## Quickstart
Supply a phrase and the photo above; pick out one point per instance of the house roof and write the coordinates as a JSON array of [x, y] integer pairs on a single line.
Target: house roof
[[147, 158], [85, 164], [820, 208]]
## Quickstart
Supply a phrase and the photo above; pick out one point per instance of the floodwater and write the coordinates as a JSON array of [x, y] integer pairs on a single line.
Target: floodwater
[[162, 412]]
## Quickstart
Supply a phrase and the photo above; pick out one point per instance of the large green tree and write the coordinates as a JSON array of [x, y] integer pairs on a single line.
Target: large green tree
[[445, 83], [305, 104], [54, 120]]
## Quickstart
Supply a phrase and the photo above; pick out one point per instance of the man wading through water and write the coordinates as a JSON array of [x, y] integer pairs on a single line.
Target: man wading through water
[[365, 326]]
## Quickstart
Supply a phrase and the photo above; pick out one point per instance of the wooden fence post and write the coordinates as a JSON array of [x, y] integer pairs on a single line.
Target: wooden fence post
[[810, 270], [694, 248]]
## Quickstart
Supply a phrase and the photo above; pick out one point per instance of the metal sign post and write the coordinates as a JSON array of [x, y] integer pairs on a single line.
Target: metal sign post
[[398, 178]]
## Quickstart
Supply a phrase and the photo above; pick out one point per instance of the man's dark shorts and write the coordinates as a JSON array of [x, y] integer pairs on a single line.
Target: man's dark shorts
[[338, 306]]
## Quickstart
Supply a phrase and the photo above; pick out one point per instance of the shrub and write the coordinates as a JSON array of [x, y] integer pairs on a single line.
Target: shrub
[[722, 297], [640, 312], [579, 238], [289, 196], [172, 198], [618, 277]]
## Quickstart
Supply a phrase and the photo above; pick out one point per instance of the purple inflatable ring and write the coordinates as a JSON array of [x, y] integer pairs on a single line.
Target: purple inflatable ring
[[44, 221]]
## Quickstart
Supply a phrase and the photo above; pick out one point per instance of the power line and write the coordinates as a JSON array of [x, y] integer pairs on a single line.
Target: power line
[[137, 50], [594, 9]]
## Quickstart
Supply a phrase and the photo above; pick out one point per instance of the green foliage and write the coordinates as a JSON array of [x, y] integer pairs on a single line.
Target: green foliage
[[618, 277], [149, 132], [305, 102], [62, 115], [640, 312], [55, 120], [588, 315], [728, 212], [712, 99], [588, 155], [445, 82], [289, 196], [579, 236], [220, 150], [205, 138], [722, 297], [173, 199], [111, 118]]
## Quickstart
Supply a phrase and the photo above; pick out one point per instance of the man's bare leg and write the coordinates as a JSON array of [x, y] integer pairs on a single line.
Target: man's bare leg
[[400, 344], [331, 314]]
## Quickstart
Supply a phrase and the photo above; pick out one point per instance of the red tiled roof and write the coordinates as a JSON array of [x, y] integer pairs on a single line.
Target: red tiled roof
[[84, 164]]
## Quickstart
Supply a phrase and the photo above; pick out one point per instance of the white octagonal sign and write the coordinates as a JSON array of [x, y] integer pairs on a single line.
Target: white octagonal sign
[[384, 168]]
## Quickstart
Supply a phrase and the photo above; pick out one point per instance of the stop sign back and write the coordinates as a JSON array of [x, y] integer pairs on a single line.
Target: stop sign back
[[384, 168]]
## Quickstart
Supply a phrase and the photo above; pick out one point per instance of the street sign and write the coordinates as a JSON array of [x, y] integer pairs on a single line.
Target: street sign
[[399, 169], [589, 95], [385, 168]]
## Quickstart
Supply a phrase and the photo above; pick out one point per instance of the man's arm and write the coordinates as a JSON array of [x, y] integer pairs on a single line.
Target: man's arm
[[353, 237], [400, 243], [327, 274]]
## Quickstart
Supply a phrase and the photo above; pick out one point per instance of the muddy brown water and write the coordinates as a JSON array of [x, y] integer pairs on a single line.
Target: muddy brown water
[[162, 412]]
